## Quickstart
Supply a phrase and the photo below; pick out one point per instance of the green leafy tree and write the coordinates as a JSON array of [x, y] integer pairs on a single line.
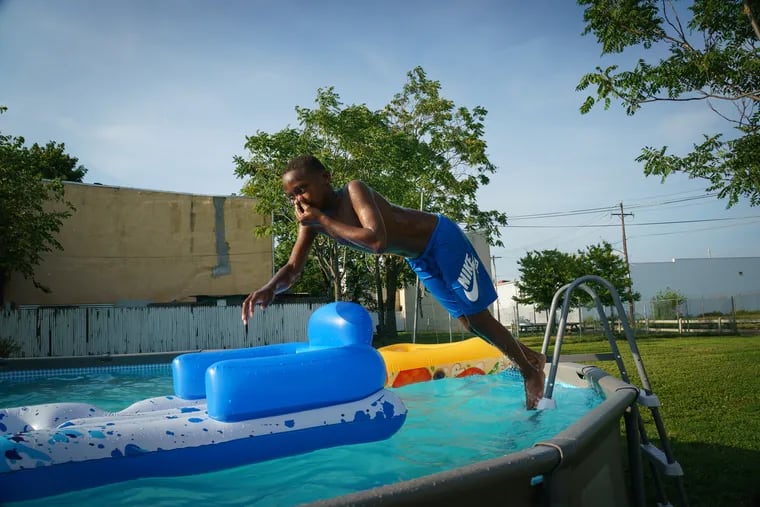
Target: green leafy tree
[[542, 274], [712, 54], [665, 304], [32, 209], [420, 147], [438, 161], [312, 281], [52, 162], [327, 132], [601, 260], [450, 163]]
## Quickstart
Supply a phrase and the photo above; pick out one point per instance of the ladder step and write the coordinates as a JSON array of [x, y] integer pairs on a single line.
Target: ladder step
[[658, 457], [584, 358]]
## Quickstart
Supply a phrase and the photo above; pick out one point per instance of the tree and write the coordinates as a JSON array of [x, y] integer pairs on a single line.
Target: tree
[[439, 163], [665, 304], [330, 132], [714, 57], [32, 206], [52, 162], [419, 145], [600, 260], [542, 274], [27, 229]]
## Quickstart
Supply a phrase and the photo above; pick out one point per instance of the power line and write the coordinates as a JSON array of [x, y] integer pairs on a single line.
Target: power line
[[587, 211], [669, 222], [674, 201], [554, 214], [689, 231]]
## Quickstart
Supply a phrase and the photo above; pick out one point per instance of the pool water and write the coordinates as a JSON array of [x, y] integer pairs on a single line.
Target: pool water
[[451, 422]]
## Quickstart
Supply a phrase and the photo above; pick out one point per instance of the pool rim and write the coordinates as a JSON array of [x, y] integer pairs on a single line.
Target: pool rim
[[534, 476]]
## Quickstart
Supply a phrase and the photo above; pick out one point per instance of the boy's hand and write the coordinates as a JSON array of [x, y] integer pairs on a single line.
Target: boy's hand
[[306, 214], [261, 297]]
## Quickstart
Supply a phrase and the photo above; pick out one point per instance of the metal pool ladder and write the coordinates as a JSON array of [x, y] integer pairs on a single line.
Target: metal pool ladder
[[661, 461]]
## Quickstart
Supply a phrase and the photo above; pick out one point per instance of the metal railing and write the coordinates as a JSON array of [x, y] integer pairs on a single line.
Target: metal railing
[[662, 461]]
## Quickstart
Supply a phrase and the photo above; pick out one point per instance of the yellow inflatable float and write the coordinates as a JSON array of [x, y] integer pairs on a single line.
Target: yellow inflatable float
[[407, 363]]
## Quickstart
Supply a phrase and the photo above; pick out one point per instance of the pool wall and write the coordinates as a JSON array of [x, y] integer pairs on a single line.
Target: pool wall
[[33, 367], [581, 466]]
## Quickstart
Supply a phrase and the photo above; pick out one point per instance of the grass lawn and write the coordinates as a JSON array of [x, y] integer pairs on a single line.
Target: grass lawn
[[709, 389]]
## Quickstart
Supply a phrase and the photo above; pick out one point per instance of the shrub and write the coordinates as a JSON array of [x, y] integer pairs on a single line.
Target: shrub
[[8, 347]]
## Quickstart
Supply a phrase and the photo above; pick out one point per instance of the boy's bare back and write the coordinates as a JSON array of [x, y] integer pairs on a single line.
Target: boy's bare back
[[407, 230]]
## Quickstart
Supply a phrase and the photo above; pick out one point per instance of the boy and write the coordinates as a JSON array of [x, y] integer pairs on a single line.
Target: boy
[[434, 246]]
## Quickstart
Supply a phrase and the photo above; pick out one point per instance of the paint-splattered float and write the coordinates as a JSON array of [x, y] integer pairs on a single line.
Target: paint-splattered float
[[229, 408]]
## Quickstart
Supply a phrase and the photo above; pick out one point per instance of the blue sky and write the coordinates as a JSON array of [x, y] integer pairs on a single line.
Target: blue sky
[[160, 95]]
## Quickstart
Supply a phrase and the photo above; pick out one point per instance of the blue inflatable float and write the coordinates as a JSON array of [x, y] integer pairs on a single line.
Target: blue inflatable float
[[229, 408]]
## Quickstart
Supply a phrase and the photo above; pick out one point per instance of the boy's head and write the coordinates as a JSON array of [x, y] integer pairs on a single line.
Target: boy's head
[[308, 163], [305, 179]]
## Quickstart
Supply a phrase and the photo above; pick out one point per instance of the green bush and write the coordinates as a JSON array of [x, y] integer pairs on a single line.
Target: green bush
[[8, 347]]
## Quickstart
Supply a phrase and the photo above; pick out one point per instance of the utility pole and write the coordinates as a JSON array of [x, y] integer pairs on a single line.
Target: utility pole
[[496, 286], [622, 215]]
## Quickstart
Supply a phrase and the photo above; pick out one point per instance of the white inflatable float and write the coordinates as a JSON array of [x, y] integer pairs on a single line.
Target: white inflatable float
[[229, 408]]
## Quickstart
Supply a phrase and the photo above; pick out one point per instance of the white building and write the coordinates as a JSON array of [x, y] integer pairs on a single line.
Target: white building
[[721, 284], [510, 312]]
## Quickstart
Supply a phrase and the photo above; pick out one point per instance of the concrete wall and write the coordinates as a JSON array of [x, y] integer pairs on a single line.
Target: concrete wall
[[694, 278], [126, 245]]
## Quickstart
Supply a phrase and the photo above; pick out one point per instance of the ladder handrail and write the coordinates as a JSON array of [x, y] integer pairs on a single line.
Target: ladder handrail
[[605, 326], [649, 399], [568, 289]]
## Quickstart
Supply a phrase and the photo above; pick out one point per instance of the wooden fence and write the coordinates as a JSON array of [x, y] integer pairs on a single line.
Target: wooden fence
[[85, 331], [682, 325]]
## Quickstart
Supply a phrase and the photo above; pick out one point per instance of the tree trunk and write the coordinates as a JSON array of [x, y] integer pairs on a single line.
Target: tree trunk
[[3, 280], [328, 264], [393, 267], [336, 272]]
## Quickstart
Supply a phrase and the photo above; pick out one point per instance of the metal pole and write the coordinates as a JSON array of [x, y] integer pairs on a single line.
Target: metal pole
[[517, 319], [416, 295], [496, 286]]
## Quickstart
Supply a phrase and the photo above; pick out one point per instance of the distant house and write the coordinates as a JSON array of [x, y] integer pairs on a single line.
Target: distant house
[[512, 314], [127, 246]]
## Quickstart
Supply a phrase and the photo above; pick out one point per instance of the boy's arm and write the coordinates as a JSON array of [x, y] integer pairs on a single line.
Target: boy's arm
[[370, 236], [285, 276]]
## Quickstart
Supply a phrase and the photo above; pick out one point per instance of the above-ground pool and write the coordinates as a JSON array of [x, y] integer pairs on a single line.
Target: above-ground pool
[[462, 437]]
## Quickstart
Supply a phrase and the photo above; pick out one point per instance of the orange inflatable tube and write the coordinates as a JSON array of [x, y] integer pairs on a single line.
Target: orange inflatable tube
[[407, 363]]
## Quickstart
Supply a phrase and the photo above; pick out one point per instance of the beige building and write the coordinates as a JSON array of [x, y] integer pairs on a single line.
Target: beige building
[[125, 246]]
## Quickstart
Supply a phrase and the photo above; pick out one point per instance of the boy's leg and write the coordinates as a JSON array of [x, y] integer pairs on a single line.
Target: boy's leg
[[530, 362]]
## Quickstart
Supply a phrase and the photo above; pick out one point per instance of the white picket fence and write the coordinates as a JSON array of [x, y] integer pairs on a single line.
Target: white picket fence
[[85, 331]]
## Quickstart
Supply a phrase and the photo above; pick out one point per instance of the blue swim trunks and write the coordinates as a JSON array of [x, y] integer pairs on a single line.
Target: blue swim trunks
[[451, 270]]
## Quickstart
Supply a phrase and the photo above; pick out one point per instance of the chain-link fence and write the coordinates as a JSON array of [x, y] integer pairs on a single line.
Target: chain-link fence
[[728, 314], [694, 314]]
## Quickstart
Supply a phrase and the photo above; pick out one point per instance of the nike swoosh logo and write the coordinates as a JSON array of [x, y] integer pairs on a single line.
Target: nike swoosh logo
[[472, 294], [468, 277]]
